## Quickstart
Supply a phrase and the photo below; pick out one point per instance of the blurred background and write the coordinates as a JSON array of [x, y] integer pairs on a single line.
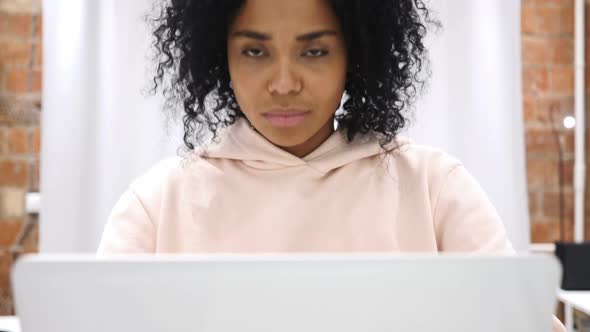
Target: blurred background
[[76, 126]]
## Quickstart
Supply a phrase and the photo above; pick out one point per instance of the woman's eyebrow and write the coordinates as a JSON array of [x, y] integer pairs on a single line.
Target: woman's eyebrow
[[316, 34], [263, 36], [251, 34]]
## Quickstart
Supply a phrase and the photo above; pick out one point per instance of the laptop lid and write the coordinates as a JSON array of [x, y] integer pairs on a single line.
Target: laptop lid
[[287, 293]]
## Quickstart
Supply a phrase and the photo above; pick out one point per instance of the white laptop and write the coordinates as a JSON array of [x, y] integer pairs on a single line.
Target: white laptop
[[283, 293]]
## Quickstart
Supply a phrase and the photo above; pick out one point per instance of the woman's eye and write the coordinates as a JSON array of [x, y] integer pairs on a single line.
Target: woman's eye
[[316, 53], [258, 53], [253, 52]]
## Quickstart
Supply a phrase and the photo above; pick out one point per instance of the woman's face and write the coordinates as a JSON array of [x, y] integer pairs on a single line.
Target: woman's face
[[287, 62]]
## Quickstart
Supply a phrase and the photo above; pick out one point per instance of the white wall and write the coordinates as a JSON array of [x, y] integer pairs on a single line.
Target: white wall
[[474, 107], [99, 132]]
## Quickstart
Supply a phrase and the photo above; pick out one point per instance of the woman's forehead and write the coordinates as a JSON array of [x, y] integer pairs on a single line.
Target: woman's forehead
[[298, 17]]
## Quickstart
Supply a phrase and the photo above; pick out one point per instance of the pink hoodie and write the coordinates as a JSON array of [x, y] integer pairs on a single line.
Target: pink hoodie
[[245, 195]]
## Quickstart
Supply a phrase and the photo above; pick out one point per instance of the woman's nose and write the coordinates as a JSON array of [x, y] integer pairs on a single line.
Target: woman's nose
[[284, 80]]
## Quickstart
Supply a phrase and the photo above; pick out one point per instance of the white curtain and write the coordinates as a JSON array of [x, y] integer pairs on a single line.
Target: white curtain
[[100, 132], [473, 109]]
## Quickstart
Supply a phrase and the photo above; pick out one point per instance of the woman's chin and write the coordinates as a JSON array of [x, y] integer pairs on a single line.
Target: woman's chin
[[286, 141]]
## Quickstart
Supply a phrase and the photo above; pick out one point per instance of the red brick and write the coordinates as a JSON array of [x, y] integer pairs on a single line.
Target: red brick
[[36, 141], [6, 305], [570, 142], [36, 80], [17, 80], [569, 173], [5, 265], [14, 173], [3, 19], [561, 51], [39, 54], [529, 109], [561, 80], [15, 52], [528, 19], [542, 173], [534, 206], [545, 51], [549, 20], [535, 51], [554, 2], [2, 142], [546, 141], [540, 141], [39, 23], [568, 19], [534, 81], [19, 25], [35, 176], [17, 140], [551, 204], [549, 231], [544, 232], [31, 242], [9, 230], [552, 110]]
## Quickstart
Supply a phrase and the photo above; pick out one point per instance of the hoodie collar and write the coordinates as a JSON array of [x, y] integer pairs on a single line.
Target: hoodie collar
[[241, 142]]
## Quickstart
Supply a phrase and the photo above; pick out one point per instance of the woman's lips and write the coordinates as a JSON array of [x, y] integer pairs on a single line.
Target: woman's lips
[[286, 118]]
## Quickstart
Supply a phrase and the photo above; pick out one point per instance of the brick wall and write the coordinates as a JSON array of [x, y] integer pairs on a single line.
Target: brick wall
[[20, 104], [548, 95]]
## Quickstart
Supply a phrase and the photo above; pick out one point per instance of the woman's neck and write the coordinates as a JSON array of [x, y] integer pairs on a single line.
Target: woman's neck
[[313, 142]]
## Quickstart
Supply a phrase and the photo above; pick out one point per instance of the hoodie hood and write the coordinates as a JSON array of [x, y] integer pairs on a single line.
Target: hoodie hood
[[241, 142]]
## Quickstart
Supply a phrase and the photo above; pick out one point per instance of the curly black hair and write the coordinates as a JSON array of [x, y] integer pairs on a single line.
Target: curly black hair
[[388, 63]]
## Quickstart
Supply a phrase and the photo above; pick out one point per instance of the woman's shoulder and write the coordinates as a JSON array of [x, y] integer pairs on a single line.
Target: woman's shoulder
[[166, 173], [411, 157]]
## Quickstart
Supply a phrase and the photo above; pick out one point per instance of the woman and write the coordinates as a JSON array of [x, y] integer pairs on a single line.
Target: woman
[[264, 80]]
